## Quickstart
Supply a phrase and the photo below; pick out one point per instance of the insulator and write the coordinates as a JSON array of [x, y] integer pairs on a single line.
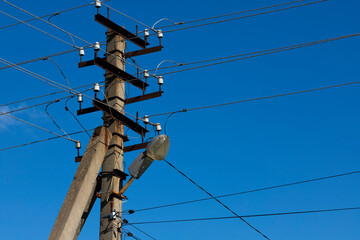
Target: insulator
[[97, 3], [96, 87], [80, 98], [146, 74], [77, 145], [97, 46], [158, 127], [160, 34], [81, 51], [160, 80], [146, 119], [146, 32]]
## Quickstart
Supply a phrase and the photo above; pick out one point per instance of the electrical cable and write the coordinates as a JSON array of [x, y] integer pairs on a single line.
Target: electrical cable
[[89, 46], [253, 190], [267, 53], [259, 98], [231, 14], [142, 231], [78, 121], [250, 216], [62, 73], [43, 140], [70, 34], [21, 21], [217, 200], [51, 82], [57, 125], [247, 16], [31, 124], [53, 14], [128, 16]]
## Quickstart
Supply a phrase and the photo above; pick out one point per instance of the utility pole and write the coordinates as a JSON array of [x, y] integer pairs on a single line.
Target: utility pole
[[87, 184], [110, 225]]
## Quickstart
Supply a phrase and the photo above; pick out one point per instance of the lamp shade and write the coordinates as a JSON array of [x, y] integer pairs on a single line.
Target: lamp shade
[[158, 147]]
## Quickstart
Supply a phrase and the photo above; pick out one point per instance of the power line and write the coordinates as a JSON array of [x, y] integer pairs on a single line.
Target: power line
[[59, 28], [61, 71], [127, 16], [252, 15], [263, 53], [41, 128], [52, 14], [141, 231], [253, 190], [231, 14], [91, 45], [21, 21], [45, 95], [43, 140], [256, 99], [250, 216], [258, 53], [241, 17], [51, 82], [221, 203], [77, 120]]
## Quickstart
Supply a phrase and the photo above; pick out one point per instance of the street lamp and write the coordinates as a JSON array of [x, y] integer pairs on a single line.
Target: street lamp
[[156, 149]]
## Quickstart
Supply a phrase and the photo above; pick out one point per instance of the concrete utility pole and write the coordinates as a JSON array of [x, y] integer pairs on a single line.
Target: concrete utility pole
[[110, 227], [82, 193]]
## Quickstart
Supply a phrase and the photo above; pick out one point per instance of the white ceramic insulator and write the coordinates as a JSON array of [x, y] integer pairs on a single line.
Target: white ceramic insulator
[[97, 3], [96, 87], [160, 80], [146, 32], [81, 52], [160, 34], [146, 74], [80, 98], [97, 46], [158, 127], [146, 119], [78, 145]]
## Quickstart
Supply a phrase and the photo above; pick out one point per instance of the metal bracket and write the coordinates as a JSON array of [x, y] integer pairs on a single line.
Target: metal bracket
[[121, 117], [115, 173], [119, 30], [120, 73]]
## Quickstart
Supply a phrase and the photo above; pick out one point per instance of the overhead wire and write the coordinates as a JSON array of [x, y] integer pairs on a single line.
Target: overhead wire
[[252, 53], [77, 120], [263, 53], [42, 140], [253, 190], [252, 15], [61, 71], [217, 200], [127, 16], [250, 216], [61, 29], [51, 82], [142, 231], [101, 43], [52, 14], [257, 99], [41, 128], [53, 120], [231, 14]]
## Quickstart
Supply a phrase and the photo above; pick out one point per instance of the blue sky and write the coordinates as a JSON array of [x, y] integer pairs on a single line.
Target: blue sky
[[225, 150]]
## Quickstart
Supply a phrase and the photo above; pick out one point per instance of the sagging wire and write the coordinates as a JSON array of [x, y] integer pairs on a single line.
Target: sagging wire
[[46, 110], [68, 110], [61, 71]]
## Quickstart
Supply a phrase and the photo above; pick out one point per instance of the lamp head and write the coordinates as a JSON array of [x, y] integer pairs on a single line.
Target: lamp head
[[158, 147]]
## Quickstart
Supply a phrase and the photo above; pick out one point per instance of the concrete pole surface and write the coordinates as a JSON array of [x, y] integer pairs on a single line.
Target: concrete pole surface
[[110, 229], [80, 197]]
